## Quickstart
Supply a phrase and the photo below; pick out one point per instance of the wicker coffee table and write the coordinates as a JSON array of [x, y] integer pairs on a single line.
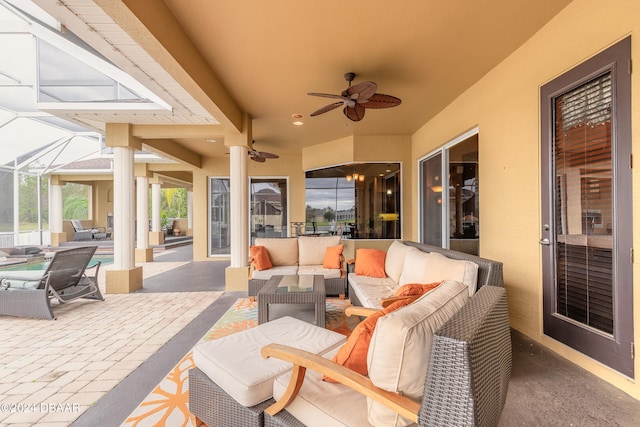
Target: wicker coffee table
[[306, 289]]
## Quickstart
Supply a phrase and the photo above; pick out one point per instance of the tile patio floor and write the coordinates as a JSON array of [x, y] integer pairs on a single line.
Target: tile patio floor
[[53, 371]]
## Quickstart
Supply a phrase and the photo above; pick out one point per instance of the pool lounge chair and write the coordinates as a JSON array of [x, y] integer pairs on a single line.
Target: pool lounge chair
[[81, 233], [29, 293]]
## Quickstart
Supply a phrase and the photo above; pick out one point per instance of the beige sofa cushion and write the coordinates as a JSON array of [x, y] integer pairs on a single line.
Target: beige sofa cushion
[[283, 270], [438, 267], [311, 249], [400, 348], [394, 261], [234, 362], [325, 404], [282, 251], [415, 265]]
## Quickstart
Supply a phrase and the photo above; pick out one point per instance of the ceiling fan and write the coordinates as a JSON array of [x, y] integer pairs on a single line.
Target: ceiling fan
[[356, 99], [260, 156]]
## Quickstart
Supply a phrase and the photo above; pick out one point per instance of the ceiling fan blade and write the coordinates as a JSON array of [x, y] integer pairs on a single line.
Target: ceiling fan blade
[[267, 155], [380, 100], [362, 91], [326, 108], [257, 159], [355, 113], [326, 95]]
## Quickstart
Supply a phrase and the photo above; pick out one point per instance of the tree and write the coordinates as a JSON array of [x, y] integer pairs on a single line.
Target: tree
[[329, 215]]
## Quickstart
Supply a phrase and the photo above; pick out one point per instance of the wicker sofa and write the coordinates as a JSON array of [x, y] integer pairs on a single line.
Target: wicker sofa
[[410, 262], [298, 255]]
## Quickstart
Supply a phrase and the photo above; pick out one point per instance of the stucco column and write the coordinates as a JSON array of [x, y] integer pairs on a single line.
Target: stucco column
[[189, 213], [236, 275], [55, 212], [156, 236], [143, 252], [125, 277]]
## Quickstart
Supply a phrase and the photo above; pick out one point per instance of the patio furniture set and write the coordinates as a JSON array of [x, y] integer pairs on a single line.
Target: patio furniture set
[[442, 358]]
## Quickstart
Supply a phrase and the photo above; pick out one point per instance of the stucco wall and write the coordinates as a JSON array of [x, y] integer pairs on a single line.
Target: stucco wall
[[505, 106]]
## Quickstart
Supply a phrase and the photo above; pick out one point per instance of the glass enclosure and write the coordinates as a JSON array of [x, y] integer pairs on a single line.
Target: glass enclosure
[[356, 201]]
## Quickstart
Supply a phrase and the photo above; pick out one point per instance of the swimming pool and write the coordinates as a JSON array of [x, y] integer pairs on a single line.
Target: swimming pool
[[42, 265]]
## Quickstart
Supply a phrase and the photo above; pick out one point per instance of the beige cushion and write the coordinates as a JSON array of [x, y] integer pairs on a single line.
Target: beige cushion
[[323, 404], [282, 251], [370, 290], [328, 273], [394, 261], [401, 347], [234, 362], [415, 266], [283, 270], [311, 249], [439, 267]]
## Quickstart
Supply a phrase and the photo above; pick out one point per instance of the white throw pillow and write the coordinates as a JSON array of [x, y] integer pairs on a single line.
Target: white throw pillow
[[400, 348], [394, 261], [439, 267]]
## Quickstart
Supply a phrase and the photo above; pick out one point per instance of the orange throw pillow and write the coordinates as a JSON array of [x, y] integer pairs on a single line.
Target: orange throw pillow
[[353, 354], [370, 262], [260, 257], [415, 289], [332, 257]]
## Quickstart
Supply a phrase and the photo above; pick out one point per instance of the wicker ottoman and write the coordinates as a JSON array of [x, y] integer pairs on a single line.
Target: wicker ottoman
[[232, 381]]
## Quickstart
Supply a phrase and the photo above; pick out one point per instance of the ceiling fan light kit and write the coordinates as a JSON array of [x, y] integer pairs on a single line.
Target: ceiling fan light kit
[[356, 99]]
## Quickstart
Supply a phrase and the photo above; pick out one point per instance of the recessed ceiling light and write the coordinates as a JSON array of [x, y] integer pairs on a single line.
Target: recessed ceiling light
[[297, 116], [298, 123], [212, 140]]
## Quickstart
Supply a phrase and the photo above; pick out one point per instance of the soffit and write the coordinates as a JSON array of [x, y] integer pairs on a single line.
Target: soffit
[[268, 55]]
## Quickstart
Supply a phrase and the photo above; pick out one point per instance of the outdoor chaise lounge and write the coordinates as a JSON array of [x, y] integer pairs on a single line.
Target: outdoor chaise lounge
[[29, 293], [81, 233]]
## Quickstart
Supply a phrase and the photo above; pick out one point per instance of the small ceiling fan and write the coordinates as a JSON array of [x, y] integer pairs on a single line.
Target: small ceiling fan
[[356, 99], [260, 156]]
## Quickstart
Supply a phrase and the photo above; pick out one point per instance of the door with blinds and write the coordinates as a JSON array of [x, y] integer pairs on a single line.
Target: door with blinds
[[586, 230]]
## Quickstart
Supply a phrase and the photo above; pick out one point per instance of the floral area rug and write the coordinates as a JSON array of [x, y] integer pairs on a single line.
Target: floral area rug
[[167, 404]]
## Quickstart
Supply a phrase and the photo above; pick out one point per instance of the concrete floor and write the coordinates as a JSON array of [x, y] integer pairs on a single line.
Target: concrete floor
[[545, 389]]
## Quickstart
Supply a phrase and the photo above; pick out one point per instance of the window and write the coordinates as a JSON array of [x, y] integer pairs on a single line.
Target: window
[[357, 201], [219, 196], [450, 196], [268, 208]]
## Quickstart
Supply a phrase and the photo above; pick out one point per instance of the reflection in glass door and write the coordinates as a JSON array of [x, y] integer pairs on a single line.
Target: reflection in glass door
[[268, 208], [450, 202], [219, 216]]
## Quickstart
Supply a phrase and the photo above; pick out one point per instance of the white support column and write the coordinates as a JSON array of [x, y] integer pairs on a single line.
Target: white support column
[[55, 211], [142, 217], [155, 207], [56, 227], [144, 253], [239, 209], [123, 208]]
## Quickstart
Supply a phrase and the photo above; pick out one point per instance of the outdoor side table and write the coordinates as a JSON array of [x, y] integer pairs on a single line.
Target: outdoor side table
[[293, 290]]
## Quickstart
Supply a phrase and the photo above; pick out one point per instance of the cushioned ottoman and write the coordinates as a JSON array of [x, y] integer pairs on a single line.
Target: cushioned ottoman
[[241, 378]]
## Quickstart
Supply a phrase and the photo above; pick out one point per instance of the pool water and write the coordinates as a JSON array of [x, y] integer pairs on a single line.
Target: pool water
[[42, 265]]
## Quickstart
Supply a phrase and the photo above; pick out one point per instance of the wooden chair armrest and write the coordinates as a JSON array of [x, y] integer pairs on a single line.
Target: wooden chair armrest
[[388, 301], [354, 310], [351, 261], [303, 360]]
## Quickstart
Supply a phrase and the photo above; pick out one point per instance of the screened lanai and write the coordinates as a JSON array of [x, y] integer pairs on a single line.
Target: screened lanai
[[47, 74]]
